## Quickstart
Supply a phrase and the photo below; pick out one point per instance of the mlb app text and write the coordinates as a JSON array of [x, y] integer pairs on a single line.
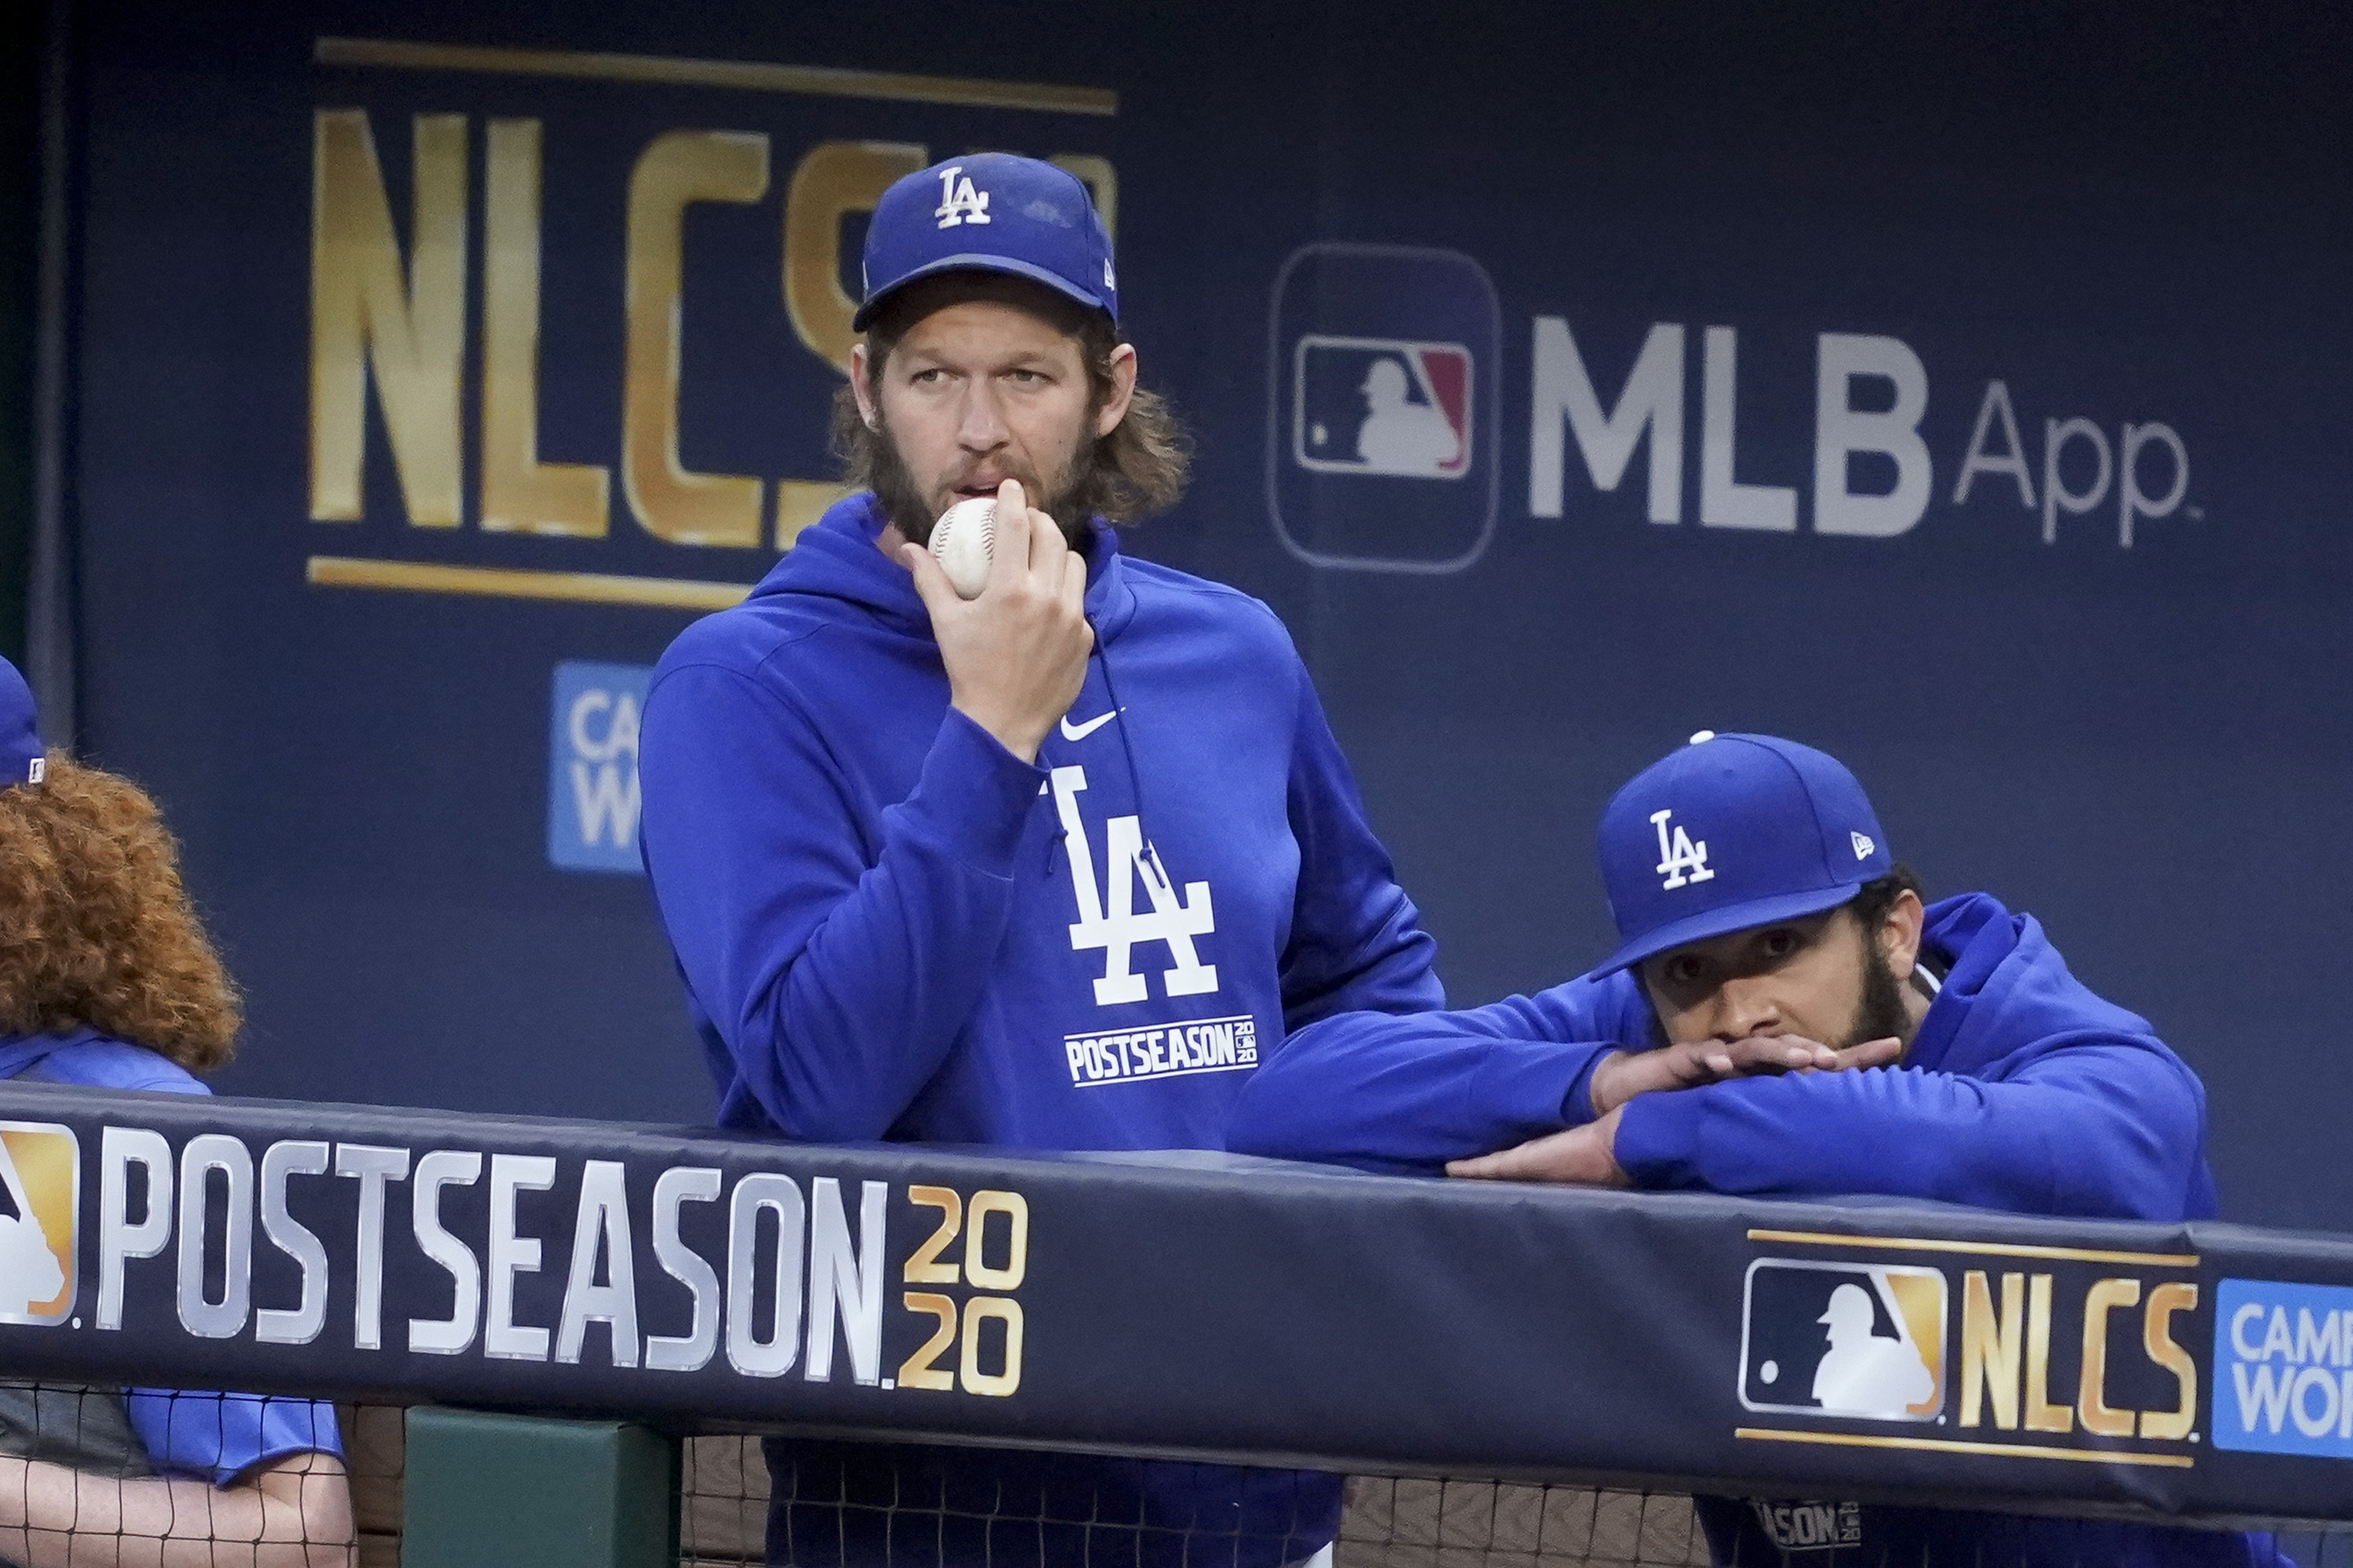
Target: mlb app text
[[2137, 474]]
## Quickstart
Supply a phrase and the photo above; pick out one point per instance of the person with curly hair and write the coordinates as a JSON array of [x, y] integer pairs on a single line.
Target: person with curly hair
[[108, 980]]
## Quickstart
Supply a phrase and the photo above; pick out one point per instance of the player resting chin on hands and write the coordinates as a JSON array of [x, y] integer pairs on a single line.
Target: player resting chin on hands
[[1765, 929]]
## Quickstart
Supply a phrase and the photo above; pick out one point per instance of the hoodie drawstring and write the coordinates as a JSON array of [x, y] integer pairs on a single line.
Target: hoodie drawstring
[[1126, 744], [1102, 654]]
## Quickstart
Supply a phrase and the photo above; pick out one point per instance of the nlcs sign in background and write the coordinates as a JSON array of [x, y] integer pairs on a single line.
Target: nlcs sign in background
[[617, 284]]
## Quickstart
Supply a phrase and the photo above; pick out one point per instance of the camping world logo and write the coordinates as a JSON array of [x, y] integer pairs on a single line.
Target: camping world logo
[[2284, 1368], [40, 1182], [592, 767], [1858, 1341]]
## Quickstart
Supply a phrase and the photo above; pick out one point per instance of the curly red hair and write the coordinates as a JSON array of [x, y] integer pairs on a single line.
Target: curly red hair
[[95, 926]]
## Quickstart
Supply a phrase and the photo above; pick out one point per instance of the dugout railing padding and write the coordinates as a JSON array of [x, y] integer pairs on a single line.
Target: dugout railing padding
[[1182, 1305]]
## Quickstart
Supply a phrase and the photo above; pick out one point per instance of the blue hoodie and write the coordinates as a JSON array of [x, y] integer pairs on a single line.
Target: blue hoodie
[[890, 927], [2022, 1091]]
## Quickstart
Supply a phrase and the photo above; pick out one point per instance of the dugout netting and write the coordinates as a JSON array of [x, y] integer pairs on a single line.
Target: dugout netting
[[724, 1496], [1388, 1521]]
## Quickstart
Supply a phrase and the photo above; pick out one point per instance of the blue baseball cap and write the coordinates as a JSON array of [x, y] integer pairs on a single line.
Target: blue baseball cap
[[1731, 832], [989, 212], [22, 760]]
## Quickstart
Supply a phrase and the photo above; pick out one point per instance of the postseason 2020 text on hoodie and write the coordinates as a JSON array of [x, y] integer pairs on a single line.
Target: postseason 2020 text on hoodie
[[2022, 1090], [890, 927]]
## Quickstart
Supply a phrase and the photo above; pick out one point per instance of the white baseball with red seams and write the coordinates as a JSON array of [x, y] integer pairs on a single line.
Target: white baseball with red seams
[[962, 543]]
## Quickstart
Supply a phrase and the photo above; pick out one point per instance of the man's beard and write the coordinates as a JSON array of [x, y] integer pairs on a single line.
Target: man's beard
[[1881, 1014], [1071, 503]]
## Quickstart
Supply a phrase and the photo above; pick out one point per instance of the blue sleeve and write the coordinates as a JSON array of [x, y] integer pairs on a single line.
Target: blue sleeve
[[2108, 1130], [1409, 1093], [1356, 939], [101, 1063], [223, 1436], [837, 972]]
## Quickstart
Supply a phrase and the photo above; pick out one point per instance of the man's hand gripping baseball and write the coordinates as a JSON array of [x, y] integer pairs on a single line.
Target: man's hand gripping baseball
[[1017, 655]]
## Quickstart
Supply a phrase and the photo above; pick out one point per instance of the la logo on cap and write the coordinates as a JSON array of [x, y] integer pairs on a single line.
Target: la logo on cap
[[959, 203], [1681, 861]]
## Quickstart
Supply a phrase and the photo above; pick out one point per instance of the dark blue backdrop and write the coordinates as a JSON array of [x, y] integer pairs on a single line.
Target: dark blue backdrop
[[2129, 216]]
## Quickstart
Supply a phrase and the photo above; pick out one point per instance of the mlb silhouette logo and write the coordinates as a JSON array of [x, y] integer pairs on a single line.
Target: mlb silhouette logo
[[1861, 1341], [1382, 449], [592, 771], [1382, 405], [40, 1187]]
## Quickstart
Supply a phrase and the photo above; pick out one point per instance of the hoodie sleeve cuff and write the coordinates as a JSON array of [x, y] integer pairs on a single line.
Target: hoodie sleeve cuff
[[1658, 1138], [1536, 1084], [1577, 1105], [975, 796]]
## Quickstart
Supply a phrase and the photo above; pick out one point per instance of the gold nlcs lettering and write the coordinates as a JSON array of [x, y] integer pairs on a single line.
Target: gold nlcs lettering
[[400, 319], [2006, 1357]]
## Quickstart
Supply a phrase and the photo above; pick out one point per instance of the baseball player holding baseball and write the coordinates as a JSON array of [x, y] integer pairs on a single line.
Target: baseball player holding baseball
[[1046, 868], [1762, 916]]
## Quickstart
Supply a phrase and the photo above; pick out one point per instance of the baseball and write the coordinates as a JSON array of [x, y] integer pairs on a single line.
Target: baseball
[[962, 543]]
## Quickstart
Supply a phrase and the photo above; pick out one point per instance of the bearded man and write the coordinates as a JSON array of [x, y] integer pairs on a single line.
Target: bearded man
[[969, 871], [1764, 923]]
